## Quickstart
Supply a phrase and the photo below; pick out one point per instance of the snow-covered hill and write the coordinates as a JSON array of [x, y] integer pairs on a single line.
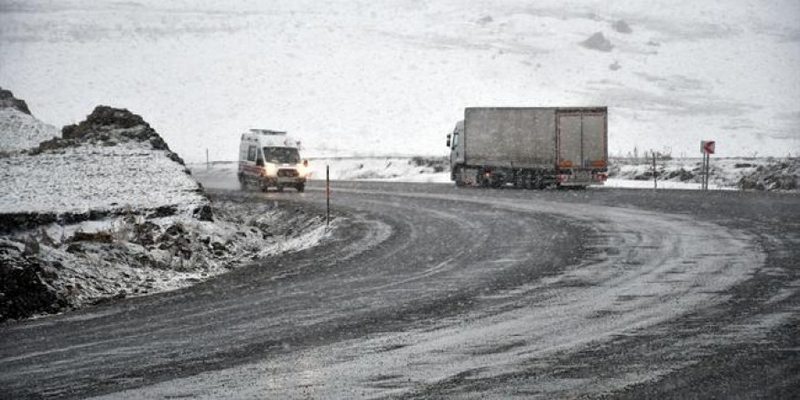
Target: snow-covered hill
[[107, 210], [19, 130], [392, 77]]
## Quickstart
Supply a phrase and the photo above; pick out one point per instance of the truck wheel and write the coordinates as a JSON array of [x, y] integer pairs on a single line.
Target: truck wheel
[[242, 185], [280, 188], [301, 187], [458, 177]]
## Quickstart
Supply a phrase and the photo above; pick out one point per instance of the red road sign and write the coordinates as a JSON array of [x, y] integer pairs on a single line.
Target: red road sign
[[707, 146]]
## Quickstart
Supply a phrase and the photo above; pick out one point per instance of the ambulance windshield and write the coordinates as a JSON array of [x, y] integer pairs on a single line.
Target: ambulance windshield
[[281, 155]]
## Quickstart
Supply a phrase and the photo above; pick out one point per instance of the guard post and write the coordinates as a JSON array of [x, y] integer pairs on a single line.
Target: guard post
[[707, 147], [327, 195]]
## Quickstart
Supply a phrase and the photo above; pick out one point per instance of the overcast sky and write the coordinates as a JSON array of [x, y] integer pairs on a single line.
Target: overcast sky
[[393, 77]]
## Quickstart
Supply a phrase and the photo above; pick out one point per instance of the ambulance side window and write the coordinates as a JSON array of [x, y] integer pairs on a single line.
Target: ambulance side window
[[251, 153]]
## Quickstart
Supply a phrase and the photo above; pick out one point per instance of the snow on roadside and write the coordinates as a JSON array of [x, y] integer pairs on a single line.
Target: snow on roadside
[[131, 255], [640, 184], [393, 169], [107, 210], [726, 174]]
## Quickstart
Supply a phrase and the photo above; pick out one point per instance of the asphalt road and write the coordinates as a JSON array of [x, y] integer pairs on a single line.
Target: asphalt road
[[428, 291]]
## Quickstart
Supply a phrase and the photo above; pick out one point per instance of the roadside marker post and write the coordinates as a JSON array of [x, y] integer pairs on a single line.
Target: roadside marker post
[[655, 173], [707, 147], [327, 195]]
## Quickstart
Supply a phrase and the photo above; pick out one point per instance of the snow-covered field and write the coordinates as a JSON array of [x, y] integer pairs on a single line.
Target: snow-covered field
[[726, 174], [393, 77], [401, 169]]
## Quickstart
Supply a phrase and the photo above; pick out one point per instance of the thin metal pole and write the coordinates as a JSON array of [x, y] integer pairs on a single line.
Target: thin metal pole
[[705, 171], [208, 164], [327, 195], [655, 174]]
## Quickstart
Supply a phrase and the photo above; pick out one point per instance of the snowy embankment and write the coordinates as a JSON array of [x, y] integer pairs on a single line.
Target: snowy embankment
[[726, 174], [398, 169], [108, 210], [19, 129]]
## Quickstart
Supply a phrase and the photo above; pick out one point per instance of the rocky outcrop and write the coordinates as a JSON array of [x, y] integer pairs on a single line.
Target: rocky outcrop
[[19, 130], [7, 100], [26, 285], [782, 175], [108, 126]]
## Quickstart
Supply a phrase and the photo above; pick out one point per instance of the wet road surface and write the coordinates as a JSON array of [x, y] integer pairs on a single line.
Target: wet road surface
[[433, 291]]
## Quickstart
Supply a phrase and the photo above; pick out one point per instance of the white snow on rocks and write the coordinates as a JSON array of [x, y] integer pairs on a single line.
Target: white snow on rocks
[[109, 211], [20, 131], [76, 179]]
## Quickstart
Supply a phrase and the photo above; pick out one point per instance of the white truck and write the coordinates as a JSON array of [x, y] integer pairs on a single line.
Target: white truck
[[530, 147], [270, 158]]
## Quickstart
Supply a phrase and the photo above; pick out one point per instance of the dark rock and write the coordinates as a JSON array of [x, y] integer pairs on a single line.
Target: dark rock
[[105, 118], [644, 176], [175, 157], [783, 175], [75, 248], [621, 26], [7, 100], [682, 175], [26, 288], [487, 19], [173, 231], [144, 234], [598, 42], [101, 237], [108, 126], [163, 211], [31, 247], [204, 213]]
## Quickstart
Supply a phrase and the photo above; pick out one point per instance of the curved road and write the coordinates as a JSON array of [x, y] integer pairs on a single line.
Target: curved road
[[433, 291]]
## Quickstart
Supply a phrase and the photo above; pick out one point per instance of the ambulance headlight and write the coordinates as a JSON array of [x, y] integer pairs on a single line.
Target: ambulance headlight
[[270, 169], [303, 170]]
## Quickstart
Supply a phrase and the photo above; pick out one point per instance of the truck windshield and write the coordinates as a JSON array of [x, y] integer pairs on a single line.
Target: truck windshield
[[281, 155]]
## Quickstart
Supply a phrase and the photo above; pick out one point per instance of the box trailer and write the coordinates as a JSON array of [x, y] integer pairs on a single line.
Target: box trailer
[[530, 147]]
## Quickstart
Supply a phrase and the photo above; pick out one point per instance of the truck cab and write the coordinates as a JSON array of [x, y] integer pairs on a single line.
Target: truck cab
[[270, 158], [455, 141]]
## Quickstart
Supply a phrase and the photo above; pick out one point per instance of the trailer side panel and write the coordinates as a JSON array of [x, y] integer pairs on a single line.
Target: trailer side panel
[[510, 137]]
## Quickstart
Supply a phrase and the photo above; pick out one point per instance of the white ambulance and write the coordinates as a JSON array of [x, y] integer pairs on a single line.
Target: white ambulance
[[271, 159]]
